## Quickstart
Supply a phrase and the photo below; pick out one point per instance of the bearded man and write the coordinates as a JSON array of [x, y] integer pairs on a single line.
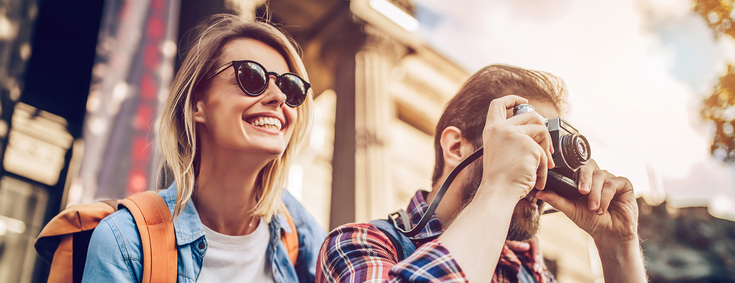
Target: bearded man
[[495, 199]]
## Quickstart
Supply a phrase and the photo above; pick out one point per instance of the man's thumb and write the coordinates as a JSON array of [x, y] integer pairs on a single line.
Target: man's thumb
[[560, 203]]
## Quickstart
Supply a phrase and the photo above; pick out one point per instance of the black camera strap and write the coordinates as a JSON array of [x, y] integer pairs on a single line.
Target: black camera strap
[[413, 231], [434, 203]]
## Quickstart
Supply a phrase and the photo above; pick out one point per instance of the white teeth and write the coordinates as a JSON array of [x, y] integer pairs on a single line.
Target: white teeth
[[267, 122]]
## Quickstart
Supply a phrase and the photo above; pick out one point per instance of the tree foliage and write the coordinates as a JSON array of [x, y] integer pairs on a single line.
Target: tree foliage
[[719, 107]]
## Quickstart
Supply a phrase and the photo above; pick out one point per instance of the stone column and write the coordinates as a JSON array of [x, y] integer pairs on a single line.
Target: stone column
[[373, 112], [362, 186]]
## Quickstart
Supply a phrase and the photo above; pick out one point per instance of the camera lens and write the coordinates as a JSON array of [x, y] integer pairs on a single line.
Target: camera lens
[[575, 150]]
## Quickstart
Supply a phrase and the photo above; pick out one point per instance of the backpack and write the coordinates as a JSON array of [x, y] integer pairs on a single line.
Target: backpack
[[404, 246], [63, 242]]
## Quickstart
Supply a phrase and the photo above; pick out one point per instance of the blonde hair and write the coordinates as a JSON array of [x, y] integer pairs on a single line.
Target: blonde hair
[[176, 129]]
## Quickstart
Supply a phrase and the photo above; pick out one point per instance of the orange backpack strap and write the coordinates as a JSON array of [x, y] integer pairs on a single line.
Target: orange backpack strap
[[156, 227], [59, 244], [290, 240]]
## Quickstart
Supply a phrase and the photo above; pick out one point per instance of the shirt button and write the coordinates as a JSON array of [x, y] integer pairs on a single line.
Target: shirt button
[[201, 245]]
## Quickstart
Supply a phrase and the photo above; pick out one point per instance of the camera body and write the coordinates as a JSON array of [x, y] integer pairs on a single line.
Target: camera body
[[571, 151]]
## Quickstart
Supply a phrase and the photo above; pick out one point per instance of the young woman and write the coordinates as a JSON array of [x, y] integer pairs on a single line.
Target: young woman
[[238, 109]]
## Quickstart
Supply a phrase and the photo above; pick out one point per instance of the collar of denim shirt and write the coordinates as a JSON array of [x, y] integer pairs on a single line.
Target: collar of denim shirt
[[189, 227]]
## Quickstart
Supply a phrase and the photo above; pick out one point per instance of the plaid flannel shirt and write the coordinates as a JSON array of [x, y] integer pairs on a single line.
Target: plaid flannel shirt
[[362, 253]]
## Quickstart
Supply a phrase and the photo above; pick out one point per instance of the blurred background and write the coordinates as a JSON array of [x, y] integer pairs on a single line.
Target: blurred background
[[651, 86]]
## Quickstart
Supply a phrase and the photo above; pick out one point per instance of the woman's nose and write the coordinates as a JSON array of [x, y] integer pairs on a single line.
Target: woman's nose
[[273, 94]]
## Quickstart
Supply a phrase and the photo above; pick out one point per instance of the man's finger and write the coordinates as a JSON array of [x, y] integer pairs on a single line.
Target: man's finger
[[542, 171], [537, 256], [537, 132], [585, 178], [540, 135], [518, 246], [609, 189], [528, 118], [560, 203], [499, 107], [598, 181], [540, 132]]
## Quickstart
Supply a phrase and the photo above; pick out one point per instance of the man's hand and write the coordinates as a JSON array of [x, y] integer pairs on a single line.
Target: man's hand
[[532, 246], [517, 150], [609, 213]]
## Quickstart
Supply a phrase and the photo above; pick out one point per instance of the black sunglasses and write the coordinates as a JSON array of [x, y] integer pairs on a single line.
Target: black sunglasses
[[253, 80]]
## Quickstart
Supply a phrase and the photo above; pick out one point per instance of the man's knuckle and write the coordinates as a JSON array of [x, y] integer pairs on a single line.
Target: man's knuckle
[[610, 183]]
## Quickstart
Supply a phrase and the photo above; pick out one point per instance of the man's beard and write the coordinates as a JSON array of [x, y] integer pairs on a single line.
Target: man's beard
[[525, 221]]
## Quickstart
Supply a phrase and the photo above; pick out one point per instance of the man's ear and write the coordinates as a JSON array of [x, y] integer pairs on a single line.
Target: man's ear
[[451, 141], [199, 112]]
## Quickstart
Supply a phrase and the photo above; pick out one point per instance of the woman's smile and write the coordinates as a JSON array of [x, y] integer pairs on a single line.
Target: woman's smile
[[268, 122]]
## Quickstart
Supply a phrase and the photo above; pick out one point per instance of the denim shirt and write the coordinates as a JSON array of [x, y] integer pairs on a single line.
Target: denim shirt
[[115, 253]]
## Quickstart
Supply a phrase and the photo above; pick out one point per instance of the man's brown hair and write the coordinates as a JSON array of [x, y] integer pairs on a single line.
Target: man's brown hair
[[468, 109]]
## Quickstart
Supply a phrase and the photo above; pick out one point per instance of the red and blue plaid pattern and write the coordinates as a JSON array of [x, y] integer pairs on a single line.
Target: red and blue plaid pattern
[[362, 253]]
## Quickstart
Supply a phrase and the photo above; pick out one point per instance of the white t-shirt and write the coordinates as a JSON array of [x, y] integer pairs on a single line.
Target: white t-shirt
[[237, 258]]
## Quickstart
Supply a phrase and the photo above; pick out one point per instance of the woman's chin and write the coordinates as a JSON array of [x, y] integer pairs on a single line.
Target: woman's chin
[[251, 152], [271, 152]]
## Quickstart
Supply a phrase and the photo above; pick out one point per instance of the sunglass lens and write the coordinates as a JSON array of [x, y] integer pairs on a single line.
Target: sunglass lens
[[252, 78], [294, 89]]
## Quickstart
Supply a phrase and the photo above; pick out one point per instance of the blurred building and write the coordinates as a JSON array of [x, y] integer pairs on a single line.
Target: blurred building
[[686, 244], [46, 54], [81, 82]]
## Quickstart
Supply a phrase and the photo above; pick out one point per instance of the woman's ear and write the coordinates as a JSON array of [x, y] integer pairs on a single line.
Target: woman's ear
[[451, 141], [199, 112]]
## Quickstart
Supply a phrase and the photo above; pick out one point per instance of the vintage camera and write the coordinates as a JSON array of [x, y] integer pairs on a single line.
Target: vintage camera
[[571, 151]]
